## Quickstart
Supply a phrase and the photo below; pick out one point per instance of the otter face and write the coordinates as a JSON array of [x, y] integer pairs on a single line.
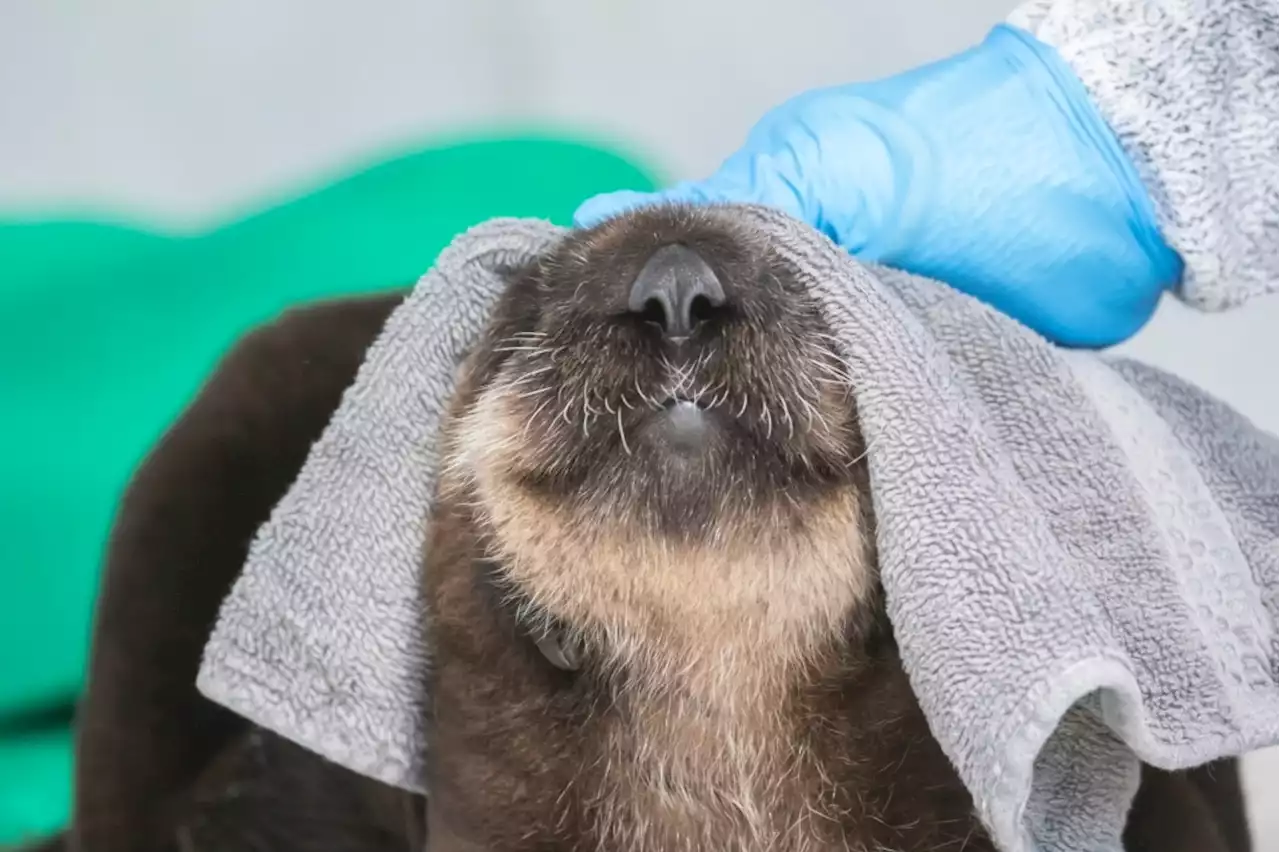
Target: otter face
[[665, 369], [651, 566], [662, 447]]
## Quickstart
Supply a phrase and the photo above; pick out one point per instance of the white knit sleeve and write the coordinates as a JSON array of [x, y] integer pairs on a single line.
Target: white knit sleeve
[[1190, 89]]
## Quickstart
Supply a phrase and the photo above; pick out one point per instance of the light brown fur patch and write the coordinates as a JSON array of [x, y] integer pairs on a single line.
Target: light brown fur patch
[[711, 636]]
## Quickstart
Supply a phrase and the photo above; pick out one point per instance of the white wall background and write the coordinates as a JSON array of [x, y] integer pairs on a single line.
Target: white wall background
[[185, 110]]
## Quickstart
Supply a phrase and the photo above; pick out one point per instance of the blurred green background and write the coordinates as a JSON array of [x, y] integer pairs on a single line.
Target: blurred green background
[[107, 330]]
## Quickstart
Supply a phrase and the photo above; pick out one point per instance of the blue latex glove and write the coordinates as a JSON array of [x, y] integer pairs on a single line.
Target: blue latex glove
[[991, 170]]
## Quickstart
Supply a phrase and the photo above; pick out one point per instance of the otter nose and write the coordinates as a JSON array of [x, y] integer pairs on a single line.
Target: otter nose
[[676, 290]]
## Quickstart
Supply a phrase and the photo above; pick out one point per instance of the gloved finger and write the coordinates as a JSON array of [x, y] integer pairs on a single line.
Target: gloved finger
[[597, 209], [747, 177]]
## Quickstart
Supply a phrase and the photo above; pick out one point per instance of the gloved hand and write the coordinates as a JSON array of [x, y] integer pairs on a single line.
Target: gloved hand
[[991, 170]]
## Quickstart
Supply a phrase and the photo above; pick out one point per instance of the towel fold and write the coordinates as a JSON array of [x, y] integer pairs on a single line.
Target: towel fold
[[1079, 552]]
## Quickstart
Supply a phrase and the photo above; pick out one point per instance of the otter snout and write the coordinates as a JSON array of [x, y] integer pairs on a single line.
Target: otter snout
[[668, 365], [676, 291]]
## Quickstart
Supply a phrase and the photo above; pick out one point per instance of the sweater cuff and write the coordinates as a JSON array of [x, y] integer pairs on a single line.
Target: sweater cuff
[[1189, 87]]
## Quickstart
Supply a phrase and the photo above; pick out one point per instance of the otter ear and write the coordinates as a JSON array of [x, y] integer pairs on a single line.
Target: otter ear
[[561, 650]]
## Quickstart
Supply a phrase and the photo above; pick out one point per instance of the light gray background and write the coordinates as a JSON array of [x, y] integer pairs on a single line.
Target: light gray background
[[186, 111]]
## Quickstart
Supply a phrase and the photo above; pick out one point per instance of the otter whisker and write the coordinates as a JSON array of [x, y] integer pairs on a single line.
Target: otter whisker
[[743, 410], [520, 338], [529, 394], [518, 384], [559, 802], [622, 434], [829, 371], [865, 449], [827, 337], [521, 383], [519, 349], [678, 377], [768, 419], [700, 392], [786, 415], [809, 412], [807, 381], [537, 411], [669, 369], [641, 394]]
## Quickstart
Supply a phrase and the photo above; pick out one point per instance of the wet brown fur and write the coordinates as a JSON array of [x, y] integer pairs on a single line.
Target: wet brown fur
[[769, 712]]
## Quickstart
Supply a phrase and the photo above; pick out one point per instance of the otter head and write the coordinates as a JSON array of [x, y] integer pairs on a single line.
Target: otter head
[[651, 541]]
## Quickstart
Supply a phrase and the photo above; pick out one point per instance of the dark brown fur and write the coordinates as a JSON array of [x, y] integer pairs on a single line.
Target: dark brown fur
[[159, 768], [146, 737]]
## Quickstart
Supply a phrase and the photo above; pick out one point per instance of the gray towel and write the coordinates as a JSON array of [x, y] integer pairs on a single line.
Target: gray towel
[[1079, 552]]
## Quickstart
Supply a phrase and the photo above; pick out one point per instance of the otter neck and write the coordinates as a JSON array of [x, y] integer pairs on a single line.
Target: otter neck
[[708, 647]]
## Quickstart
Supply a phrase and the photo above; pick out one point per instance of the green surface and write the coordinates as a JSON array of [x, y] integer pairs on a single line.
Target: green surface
[[35, 792], [106, 332]]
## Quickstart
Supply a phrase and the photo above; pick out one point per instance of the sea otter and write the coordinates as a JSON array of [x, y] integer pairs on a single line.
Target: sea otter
[[651, 585]]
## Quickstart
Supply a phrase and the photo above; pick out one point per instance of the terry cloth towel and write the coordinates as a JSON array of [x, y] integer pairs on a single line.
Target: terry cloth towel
[[1079, 552]]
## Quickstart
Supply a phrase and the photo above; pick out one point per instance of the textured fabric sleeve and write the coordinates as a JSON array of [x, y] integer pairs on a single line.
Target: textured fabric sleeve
[[1190, 89]]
